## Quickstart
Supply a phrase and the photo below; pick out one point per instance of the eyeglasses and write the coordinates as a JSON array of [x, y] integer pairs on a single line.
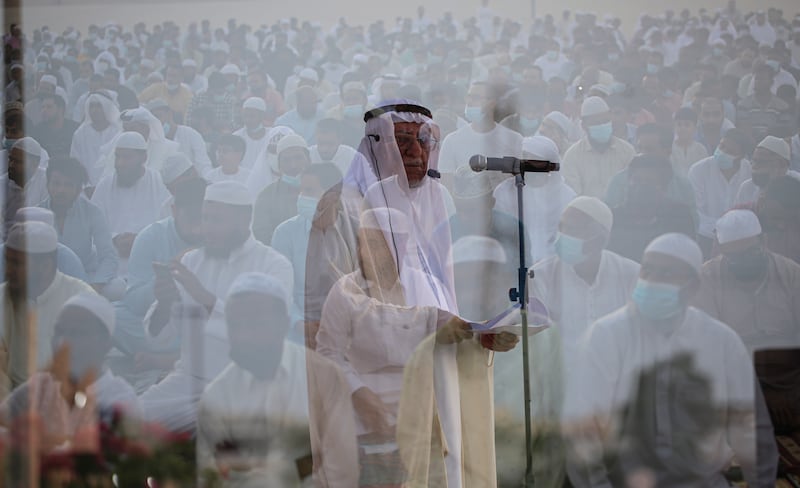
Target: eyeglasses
[[406, 140]]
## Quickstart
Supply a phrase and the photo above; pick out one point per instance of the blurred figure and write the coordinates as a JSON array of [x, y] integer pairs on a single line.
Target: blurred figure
[[591, 162], [685, 149], [770, 161], [99, 127], [777, 212], [25, 182], [329, 147], [632, 366], [76, 394], [254, 133], [648, 210], [758, 112], [230, 151], [277, 415], [33, 294]]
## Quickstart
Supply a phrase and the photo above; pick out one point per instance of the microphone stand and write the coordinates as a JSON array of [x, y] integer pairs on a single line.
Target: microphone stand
[[520, 295]]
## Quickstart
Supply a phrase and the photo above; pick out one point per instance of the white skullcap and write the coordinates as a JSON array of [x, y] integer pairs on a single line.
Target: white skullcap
[[49, 79], [255, 282], [469, 184], [385, 218], [131, 140], [718, 42], [229, 192], [220, 46], [28, 145], [593, 106], [96, 305], [291, 140], [737, 224], [604, 89], [147, 63], [679, 246], [189, 63], [470, 249], [174, 166], [541, 147], [777, 146], [138, 114], [594, 208], [360, 59], [35, 214], [355, 86], [256, 103], [33, 237], [230, 69], [16, 66], [309, 74], [561, 120], [155, 76]]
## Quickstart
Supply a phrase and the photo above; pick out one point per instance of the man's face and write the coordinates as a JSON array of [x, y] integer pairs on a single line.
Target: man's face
[[306, 103], [762, 80], [661, 268], [228, 156], [685, 129], [767, 166], [189, 73], [28, 273], [731, 147], [50, 111], [86, 70], [21, 166], [257, 83], [711, 113], [415, 154], [129, 166], [293, 161], [327, 144], [253, 119], [173, 75], [649, 144], [224, 227], [47, 88], [62, 189], [478, 96], [96, 114]]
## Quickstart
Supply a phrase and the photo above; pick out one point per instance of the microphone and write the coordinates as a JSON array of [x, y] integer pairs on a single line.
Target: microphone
[[511, 165]]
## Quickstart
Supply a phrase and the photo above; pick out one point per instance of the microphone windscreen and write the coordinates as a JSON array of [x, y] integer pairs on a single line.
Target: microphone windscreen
[[477, 163]]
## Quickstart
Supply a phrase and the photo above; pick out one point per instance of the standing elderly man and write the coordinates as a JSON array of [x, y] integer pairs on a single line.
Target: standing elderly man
[[590, 163], [392, 191], [662, 390], [32, 296], [202, 277], [130, 197]]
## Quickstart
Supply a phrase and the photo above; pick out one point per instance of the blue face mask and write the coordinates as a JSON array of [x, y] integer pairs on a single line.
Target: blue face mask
[[552, 55], [657, 301], [601, 133], [306, 206], [352, 111], [570, 249], [724, 160], [7, 143], [473, 114], [613, 56], [167, 127], [293, 181], [652, 68]]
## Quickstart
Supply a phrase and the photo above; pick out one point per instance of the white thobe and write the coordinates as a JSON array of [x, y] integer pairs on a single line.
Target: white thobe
[[192, 144], [133, 208], [459, 146], [543, 207], [282, 412], [44, 309], [253, 147], [622, 346], [86, 144], [204, 347], [715, 194]]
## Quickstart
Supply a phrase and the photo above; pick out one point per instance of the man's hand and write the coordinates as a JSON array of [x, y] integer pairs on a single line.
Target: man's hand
[[453, 331], [192, 285], [502, 342], [164, 287], [372, 411], [124, 242], [310, 332], [60, 369]]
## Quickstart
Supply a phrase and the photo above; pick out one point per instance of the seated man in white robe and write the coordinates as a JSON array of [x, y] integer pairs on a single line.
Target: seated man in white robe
[[77, 393], [664, 392], [25, 183], [260, 423], [201, 278], [254, 133], [100, 126], [131, 196], [32, 296]]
